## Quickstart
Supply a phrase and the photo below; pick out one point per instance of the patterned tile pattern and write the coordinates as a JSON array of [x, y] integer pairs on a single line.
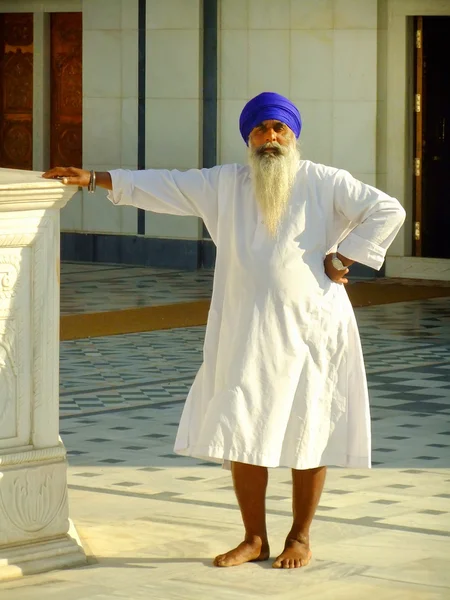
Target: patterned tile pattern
[[154, 520], [98, 288], [406, 372], [132, 388]]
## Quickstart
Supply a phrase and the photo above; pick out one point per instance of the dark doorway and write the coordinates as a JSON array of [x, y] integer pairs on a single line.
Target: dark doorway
[[16, 90], [432, 160], [66, 90]]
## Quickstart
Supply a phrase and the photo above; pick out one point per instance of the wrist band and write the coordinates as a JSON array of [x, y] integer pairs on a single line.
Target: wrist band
[[92, 182]]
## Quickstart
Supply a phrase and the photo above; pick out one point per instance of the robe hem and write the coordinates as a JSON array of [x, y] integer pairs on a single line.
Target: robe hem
[[218, 454]]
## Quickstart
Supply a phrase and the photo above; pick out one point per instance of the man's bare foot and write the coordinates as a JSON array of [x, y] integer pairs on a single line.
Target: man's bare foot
[[247, 551], [295, 554]]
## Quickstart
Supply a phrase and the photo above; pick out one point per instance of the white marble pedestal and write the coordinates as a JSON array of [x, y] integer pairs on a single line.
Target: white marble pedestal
[[34, 516]]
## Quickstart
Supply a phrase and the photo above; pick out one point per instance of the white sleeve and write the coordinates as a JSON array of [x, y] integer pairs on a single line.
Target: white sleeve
[[182, 193], [375, 218]]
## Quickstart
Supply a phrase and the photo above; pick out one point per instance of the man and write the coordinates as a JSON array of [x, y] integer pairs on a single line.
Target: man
[[282, 382]]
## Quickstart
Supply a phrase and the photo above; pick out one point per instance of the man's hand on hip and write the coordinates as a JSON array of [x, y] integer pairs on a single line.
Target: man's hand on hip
[[333, 273]]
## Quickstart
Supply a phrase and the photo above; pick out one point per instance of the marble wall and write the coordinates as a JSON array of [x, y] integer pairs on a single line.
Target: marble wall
[[322, 55], [110, 109], [344, 62], [110, 105], [173, 106]]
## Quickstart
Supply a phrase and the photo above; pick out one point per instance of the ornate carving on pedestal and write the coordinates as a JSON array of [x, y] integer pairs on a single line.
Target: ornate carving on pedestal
[[8, 380], [9, 368], [44, 322], [8, 276], [39, 456], [14, 399], [33, 498], [34, 519], [36, 245]]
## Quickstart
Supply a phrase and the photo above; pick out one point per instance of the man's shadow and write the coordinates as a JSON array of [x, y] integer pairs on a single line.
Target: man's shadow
[[127, 562]]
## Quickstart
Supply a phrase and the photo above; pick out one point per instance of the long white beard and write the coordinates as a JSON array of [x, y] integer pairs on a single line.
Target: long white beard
[[273, 175]]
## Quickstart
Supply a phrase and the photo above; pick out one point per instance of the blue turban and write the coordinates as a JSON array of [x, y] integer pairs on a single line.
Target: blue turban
[[269, 105]]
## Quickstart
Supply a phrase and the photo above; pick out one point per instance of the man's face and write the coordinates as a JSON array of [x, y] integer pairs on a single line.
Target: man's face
[[268, 132], [273, 159]]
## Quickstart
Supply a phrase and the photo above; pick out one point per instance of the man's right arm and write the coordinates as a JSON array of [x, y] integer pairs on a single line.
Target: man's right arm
[[194, 192], [79, 177]]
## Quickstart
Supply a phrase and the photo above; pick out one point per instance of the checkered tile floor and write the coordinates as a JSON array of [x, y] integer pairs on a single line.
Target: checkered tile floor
[[132, 450], [154, 519], [406, 349], [84, 287], [121, 401], [139, 377]]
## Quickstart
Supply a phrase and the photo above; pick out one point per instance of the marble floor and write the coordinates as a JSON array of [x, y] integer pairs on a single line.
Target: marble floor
[[88, 288], [152, 521]]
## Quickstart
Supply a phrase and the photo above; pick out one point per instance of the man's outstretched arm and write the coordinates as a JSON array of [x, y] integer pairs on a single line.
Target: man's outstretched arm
[[79, 177], [191, 193]]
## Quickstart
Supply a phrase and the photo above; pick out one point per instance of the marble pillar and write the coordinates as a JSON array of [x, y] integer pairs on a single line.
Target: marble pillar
[[35, 532]]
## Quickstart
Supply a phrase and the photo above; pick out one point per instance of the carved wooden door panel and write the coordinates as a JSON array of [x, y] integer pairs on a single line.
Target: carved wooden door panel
[[432, 158], [66, 90], [419, 103], [16, 90]]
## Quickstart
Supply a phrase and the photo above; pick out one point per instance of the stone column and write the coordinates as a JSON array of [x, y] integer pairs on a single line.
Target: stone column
[[35, 532]]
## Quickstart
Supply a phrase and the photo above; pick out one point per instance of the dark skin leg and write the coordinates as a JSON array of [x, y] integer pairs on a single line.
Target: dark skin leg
[[307, 489], [250, 484]]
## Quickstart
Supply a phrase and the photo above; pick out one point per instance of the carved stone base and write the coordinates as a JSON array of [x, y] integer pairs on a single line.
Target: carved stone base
[[28, 559], [35, 532], [33, 497]]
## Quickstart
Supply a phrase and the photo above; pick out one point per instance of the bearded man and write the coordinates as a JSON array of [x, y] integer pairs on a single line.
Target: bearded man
[[282, 381]]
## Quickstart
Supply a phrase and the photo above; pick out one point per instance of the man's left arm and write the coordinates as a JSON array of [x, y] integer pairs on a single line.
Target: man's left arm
[[377, 218]]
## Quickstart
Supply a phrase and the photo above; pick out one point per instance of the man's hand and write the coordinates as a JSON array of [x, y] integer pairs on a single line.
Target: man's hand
[[332, 273], [69, 176], [79, 177]]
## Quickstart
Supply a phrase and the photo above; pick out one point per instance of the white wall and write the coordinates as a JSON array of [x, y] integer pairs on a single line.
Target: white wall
[[110, 100], [321, 53], [110, 104], [323, 56], [173, 100], [343, 62]]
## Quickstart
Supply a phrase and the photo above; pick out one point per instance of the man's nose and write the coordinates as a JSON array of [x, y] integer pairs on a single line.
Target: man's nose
[[271, 135]]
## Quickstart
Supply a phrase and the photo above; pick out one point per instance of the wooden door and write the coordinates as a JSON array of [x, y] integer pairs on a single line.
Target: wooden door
[[418, 158], [432, 148], [16, 90], [66, 90]]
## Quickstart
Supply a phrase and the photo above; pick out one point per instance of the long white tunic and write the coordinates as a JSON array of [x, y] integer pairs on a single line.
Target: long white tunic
[[282, 381]]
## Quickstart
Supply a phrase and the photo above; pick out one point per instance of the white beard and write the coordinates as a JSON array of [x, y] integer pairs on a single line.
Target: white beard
[[273, 175]]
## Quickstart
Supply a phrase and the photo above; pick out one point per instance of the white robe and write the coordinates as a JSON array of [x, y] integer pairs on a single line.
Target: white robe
[[282, 381]]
